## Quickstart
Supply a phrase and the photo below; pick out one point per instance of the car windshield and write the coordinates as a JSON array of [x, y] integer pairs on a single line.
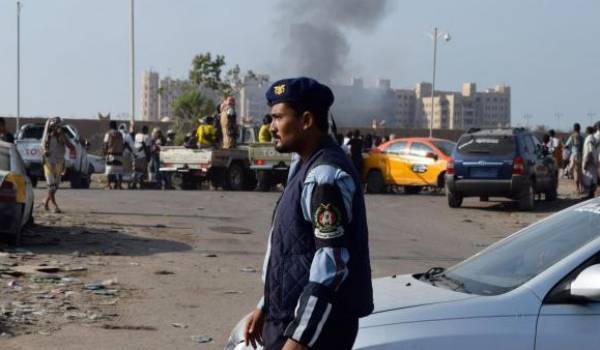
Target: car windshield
[[445, 146], [32, 132], [486, 144], [517, 259]]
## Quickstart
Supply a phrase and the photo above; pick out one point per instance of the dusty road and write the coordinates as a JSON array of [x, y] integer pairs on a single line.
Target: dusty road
[[152, 269]]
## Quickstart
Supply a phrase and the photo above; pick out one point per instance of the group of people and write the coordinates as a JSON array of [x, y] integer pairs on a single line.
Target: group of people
[[218, 130], [581, 157], [134, 155]]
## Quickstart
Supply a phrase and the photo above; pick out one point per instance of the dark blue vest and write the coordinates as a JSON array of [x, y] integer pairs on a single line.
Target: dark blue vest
[[293, 247]]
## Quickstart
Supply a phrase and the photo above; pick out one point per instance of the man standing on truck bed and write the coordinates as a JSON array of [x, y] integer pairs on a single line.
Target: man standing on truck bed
[[4, 134], [54, 142], [317, 270], [228, 122], [206, 133]]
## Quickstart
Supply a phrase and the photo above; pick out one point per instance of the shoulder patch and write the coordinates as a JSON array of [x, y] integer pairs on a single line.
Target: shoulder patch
[[328, 222]]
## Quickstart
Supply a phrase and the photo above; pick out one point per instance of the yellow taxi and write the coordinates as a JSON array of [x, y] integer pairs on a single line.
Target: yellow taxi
[[412, 163], [16, 193]]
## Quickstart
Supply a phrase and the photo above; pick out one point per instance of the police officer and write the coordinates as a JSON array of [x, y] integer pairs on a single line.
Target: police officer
[[317, 271]]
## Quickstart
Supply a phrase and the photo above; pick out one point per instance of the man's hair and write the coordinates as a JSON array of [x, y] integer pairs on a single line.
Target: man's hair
[[552, 132], [576, 127], [319, 113], [589, 130], [145, 129], [112, 125], [356, 133], [267, 119]]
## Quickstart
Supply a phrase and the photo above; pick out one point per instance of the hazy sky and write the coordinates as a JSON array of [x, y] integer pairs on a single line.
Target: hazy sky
[[75, 52]]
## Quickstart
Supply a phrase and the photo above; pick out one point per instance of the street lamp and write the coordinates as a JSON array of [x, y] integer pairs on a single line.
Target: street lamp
[[18, 66], [132, 60], [435, 37]]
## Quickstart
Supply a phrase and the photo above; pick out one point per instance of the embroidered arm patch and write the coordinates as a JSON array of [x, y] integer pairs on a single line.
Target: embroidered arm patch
[[328, 215]]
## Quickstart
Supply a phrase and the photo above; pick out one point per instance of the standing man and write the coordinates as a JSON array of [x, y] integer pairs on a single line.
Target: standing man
[[264, 134], [317, 270], [228, 120], [113, 151], [206, 133], [589, 163], [5, 135], [575, 145]]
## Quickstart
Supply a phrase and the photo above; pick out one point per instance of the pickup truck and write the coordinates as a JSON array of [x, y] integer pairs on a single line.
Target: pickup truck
[[271, 167], [29, 146], [229, 169]]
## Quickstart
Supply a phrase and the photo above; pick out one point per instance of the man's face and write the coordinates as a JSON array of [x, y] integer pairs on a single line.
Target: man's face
[[287, 128]]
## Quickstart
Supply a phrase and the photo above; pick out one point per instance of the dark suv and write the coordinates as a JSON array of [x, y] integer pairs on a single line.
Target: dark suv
[[500, 163]]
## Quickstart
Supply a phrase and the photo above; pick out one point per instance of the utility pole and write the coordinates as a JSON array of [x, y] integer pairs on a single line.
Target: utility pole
[[132, 60], [435, 38], [18, 67]]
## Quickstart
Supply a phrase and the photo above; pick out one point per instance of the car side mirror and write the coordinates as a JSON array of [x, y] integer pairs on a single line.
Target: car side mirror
[[587, 284], [431, 155]]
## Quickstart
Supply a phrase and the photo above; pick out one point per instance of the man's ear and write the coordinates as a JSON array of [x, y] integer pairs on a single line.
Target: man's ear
[[308, 120]]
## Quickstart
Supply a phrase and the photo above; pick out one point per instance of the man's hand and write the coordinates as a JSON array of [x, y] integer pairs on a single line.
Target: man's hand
[[253, 329], [293, 345]]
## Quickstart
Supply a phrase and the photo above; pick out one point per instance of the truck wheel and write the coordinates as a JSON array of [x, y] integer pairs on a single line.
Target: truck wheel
[[375, 182], [526, 200], [552, 192], [177, 181], [454, 199], [412, 189], [265, 180], [236, 177], [75, 180], [251, 181]]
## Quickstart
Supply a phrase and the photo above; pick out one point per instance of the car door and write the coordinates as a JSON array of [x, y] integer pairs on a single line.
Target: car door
[[396, 162], [567, 324], [421, 169], [535, 160]]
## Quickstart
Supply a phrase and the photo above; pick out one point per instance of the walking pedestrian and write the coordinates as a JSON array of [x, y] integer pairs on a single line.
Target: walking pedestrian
[[317, 270], [575, 145], [54, 144], [589, 178]]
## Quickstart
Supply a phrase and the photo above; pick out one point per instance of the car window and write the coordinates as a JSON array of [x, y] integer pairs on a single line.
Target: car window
[[32, 132], [517, 259], [396, 148], [420, 149], [445, 146], [486, 144], [529, 145]]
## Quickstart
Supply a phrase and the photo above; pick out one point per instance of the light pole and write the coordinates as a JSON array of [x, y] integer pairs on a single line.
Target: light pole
[[18, 67], [435, 38], [558, 115], [132, 60]]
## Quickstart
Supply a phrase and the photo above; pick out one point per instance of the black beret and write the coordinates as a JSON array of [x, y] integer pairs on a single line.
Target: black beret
[[305, 91]]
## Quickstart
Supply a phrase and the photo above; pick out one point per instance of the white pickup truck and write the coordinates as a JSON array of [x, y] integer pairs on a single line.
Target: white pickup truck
[[29, 145]]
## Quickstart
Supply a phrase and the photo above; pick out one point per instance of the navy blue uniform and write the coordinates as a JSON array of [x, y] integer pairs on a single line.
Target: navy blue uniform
[[317, 269]]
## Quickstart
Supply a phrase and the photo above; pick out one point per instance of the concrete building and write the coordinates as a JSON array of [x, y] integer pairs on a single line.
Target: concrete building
[[169, 90], [251, 102], [149, 98], [458, 110]]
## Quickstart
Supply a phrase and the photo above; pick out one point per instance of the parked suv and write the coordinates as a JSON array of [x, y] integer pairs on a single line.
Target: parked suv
[[500, 163]]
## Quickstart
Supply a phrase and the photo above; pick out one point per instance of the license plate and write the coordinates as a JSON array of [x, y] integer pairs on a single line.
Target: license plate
[[484, 172]]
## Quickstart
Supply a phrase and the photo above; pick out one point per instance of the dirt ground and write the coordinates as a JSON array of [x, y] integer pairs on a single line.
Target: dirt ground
[[178, 269]]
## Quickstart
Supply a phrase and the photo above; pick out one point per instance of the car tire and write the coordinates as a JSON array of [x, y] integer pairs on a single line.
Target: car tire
[[76, 180], [441, 182], [375, 182], [552, 192], [265, 180], [412, 189], [454, 199], [236, 177], [526, 200]]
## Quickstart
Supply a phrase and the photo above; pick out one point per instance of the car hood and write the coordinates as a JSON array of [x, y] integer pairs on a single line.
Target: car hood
[[405, 291]]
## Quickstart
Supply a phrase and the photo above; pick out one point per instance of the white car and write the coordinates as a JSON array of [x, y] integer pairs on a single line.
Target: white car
[[536, 289]]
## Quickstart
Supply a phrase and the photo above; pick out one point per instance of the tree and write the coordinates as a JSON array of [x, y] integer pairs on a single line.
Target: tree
[[188, 108]]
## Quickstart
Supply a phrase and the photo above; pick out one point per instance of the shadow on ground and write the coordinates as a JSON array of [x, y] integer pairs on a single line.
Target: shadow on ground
[[541, 206], [41, 239]]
